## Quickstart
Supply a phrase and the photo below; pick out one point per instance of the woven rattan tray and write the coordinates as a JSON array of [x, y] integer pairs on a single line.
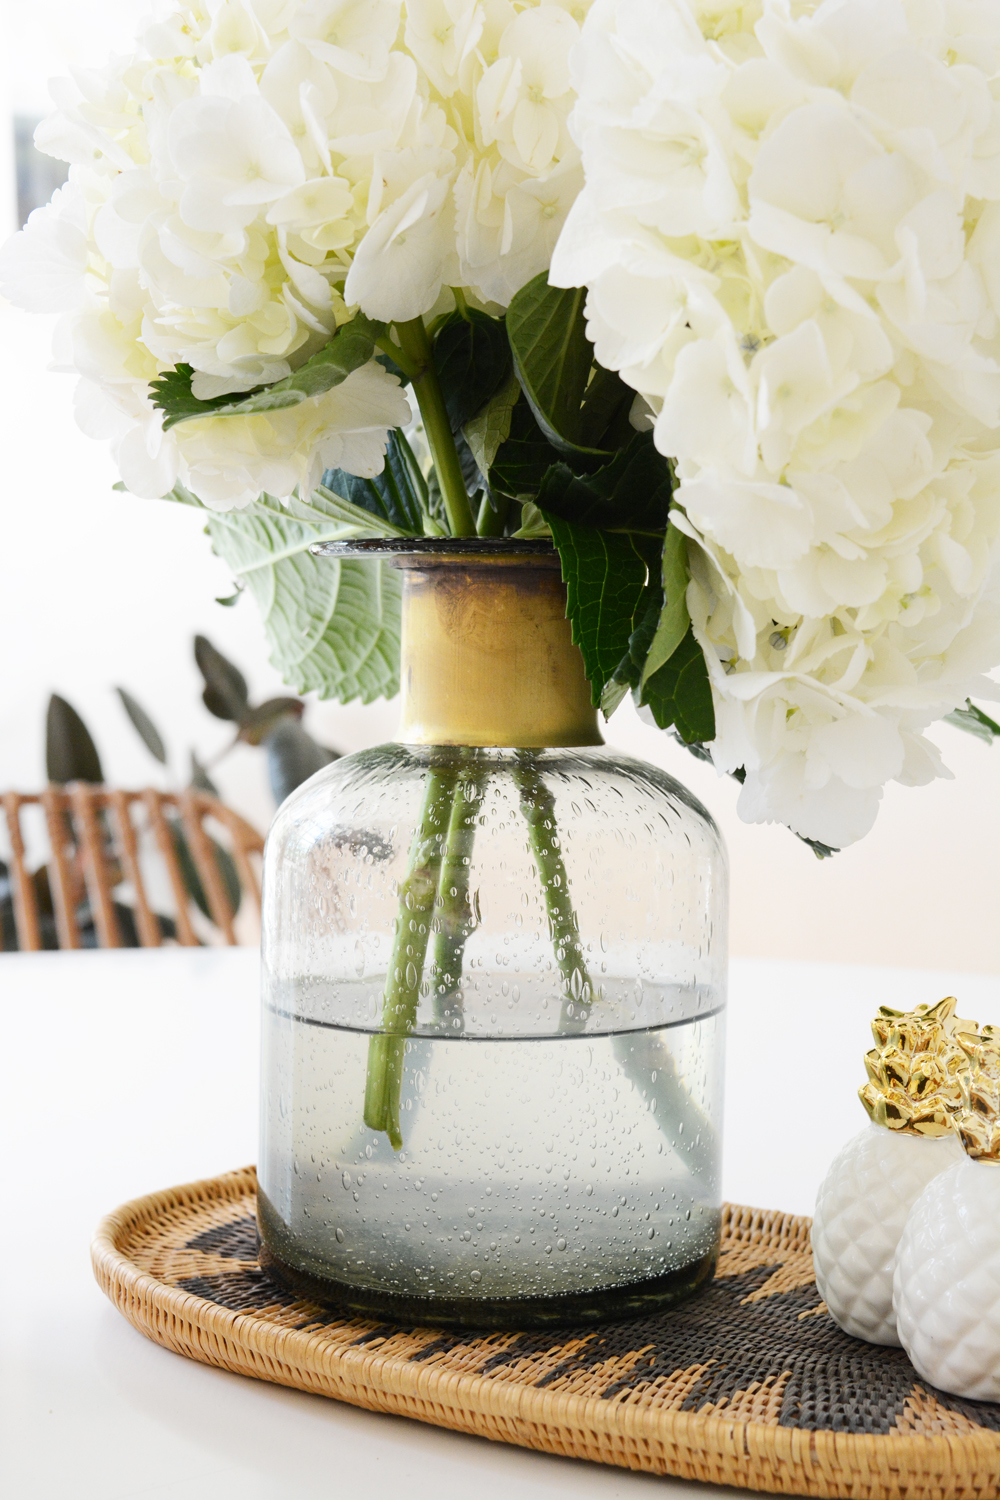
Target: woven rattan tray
[[748, 1384]]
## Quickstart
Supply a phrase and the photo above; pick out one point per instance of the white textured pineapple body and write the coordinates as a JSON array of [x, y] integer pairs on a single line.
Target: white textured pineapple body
[[861, 1208], [947, 1282]]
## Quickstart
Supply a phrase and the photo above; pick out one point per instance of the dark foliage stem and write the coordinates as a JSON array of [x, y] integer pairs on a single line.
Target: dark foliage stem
[[416, 346]]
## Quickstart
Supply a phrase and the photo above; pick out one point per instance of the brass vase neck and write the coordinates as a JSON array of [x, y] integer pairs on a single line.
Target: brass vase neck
[[487, 656]]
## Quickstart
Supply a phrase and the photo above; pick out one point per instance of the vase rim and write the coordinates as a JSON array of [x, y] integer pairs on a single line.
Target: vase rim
[[450, 548]]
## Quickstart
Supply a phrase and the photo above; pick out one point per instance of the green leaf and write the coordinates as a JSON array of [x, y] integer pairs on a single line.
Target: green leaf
[[200, 779], [292, 757], [631, 493], [332, 624], [674, 618], [192, 880], [171, 394], [534, 526], [352, 346], [490, 426], [523, 458], [392, 497], [974, 721], [259, 722], [606, 577], [606, 406], [228, 600], [144, 726], [628, 673], [552, 356], [226, 694], [680, 693], [70, 753], [472, 359], [351, 520]]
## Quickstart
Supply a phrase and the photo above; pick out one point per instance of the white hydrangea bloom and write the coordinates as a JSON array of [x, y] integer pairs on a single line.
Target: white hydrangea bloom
[[790, 233], [261, 168]]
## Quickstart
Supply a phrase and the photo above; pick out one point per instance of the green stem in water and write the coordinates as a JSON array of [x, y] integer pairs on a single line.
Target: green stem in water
[[539, 809], [456, 917], [417, 895], [416, 346], [643, 1057]]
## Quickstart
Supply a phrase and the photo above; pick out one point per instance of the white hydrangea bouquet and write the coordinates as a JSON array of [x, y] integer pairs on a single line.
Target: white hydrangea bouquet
[[707, 291]]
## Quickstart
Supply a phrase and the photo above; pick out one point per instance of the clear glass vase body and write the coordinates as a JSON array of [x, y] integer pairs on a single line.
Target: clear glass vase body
[[560, 1141], [494, 989]]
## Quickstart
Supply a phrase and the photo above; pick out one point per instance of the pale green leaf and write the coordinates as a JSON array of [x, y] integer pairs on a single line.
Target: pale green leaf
[[534, 526], [332, 623], [355, 520], [674, 617], [491, 425]]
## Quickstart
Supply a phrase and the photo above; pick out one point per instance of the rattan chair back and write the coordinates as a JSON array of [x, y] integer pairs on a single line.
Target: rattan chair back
[[94, 836]]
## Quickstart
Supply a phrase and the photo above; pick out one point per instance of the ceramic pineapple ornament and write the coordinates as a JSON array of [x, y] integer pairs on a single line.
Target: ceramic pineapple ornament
[[947, 1281], [911, 1096]]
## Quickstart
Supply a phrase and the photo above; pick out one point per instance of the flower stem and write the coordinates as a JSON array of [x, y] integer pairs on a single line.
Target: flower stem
[[456, 917], [642, 1055], [539, 809], [417, 895], [416, 346]]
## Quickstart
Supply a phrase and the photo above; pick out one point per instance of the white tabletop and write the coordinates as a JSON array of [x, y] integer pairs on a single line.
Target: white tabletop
[[130, 1071]]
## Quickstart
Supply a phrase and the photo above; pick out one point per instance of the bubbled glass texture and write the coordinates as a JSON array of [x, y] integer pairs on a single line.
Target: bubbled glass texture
[[561, 1132]]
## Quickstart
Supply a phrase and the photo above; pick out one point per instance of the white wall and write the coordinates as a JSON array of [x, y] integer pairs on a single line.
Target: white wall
[[98, 588]]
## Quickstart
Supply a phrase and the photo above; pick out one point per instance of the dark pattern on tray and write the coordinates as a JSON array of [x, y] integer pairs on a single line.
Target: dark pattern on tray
[[783, 1342]]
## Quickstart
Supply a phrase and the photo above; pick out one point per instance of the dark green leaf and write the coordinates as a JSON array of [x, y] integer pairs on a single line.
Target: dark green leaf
[[628, 673], [472, 359], [144, 726], [393, 496], [606, 577], [631, 493], [351, 347], [552, 356], [680, 694], [606, 406], [200, 779], [974, 721], [171, 394], [292, 757], [228, 600], [524, 458], [70, 753], [332, 624], [192, 880], [225, 694]]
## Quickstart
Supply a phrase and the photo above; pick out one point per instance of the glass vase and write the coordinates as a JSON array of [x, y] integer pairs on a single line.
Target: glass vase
[[494, 958]]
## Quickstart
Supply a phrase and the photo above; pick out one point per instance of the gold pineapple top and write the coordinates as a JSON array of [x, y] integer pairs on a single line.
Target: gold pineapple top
[[978, 1119], [915, 1070]]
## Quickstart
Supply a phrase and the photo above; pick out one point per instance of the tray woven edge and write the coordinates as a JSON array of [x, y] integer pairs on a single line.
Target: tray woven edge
[[686, 1445]]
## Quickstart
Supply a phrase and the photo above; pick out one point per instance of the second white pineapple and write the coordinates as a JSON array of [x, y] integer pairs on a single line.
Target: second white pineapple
[[947, 1282]]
